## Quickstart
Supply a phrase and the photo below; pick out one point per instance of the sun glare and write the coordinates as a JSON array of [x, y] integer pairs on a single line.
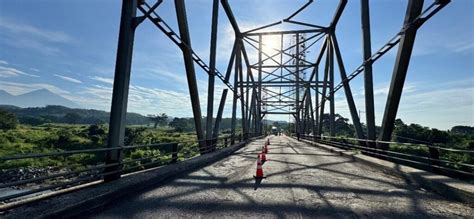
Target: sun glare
[[271, 44]]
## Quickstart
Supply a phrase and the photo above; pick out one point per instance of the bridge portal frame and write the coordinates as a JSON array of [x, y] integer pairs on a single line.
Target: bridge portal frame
[[305, 109]]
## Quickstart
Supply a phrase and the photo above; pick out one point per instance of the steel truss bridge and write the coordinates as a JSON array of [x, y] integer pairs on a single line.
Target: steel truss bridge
[[282, 81], [273, 84]]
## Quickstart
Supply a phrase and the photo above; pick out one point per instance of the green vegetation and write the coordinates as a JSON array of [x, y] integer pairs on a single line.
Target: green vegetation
[[413, 139], [55, 129], [48, 138], [458, 138], [7, 120], [159, 119]]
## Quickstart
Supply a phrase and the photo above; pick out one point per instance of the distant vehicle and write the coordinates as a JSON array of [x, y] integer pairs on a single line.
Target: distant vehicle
[[275, 130]]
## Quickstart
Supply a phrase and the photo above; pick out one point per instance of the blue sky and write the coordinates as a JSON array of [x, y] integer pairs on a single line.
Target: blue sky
[[69, 48]]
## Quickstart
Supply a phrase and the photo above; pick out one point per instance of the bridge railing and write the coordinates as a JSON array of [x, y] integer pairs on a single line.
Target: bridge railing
[[452, 162], [135, 158]]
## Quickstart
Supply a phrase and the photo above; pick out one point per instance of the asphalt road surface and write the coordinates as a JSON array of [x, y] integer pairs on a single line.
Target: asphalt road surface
[[302, 182]]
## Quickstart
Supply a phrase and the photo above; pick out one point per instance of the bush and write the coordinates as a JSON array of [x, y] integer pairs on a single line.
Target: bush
[[29, 120], [7, 120]]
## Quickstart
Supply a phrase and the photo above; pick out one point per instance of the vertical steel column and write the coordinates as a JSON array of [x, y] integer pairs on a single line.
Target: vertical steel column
[[318, 119], [238, 70], [313, 123], [220, 111], [259, 92], [306, 111], [190, 73], [347, 89], [316, 101], [297, 79], [325, 86], [368, 81], [118, 110], [231, 60], [399, 72], [304, 104], [252, 112], [255, 112], [247, 109], [212, 68], [332, 127], [234, 107]]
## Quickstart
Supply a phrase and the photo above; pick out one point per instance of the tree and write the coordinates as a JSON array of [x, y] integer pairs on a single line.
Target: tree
[[72, 118], [30, 120], [463, 130], [159, 119], [7, 120], [438, 136], [182, 124], [341, 125], [135, 136], [96, 133]]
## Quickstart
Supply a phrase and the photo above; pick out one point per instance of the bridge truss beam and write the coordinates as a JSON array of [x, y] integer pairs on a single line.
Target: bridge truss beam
[[274, 85]]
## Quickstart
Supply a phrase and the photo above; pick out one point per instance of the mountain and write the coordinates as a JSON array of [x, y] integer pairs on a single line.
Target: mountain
[[61, 114], [37, 98], [5, 96]]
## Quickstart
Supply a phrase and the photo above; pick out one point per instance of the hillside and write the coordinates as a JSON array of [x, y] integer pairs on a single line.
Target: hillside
[[61, 114]]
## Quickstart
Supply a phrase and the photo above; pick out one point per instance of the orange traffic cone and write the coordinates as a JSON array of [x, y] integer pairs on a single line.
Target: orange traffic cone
[[268, 141], [259, 173], [266, 149]]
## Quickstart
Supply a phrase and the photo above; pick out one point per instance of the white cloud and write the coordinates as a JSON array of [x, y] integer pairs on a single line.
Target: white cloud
[[141, 99], [103, 80], [26, 36], [178, 77], [21, 88], [442, 42], [436, 105], [38, 33], [6, 72], [73, 80], [3, 62], [34, 69], [382, 89]]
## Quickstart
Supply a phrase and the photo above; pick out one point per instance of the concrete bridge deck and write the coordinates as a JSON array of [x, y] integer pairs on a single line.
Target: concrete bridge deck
[[302, 181]]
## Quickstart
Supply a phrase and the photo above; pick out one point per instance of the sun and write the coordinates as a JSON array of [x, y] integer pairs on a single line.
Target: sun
[[271, 44]]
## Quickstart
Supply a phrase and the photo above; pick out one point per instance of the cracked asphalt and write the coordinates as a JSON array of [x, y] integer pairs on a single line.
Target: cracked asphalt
[[302, 182]]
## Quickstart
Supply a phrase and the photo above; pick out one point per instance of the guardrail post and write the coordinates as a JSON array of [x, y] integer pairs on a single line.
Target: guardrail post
[[434, 154], [174, 151], [225, 141], [471, 155]]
